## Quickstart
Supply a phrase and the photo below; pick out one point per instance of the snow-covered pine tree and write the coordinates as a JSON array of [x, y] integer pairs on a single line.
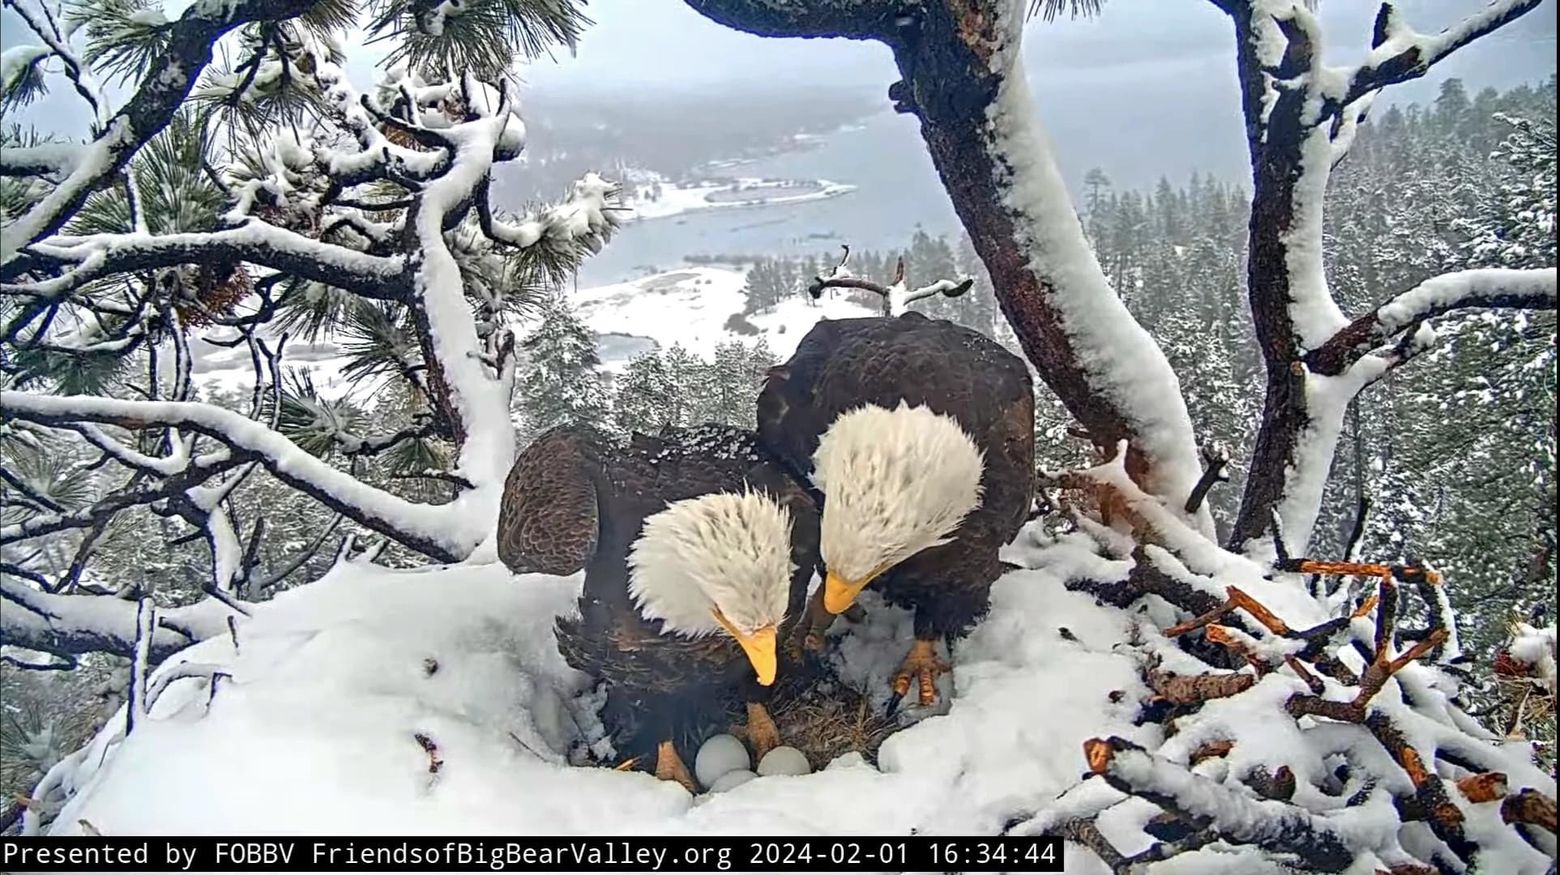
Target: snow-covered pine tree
[[647, 397], [560, 380], [253, 203]]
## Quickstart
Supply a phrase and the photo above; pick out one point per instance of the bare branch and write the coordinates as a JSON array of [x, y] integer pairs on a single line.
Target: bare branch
[[1216, 459]]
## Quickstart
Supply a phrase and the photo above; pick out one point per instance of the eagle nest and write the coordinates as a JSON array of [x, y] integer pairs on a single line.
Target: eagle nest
[[826, 719]]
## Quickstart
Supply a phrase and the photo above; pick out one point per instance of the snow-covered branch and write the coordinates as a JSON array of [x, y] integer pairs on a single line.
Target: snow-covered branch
[[582, 218], [1301, 118], [43, 23], [189, 48], [1484, 287], [431, 529], [38, 160], [897, 297], [256, 242], [1399, 54], [41, 525], [1269, 824], [70, 625]]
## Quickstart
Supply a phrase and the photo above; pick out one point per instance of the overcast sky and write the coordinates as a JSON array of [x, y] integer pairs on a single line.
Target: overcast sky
[[1148, 86], [662, 43]]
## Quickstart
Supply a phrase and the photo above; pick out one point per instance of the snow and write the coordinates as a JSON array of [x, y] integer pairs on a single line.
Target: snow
[[15, 61], [1464, 288], [329, 685], [676, 199], [94, 162], [1312, 310], [693, 307], [479, 397], [1536, 647], [1119, 358], [457, 533]]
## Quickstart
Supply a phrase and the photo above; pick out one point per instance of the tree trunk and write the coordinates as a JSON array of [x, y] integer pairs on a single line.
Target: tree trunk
[[1276, 169], [964, 81]]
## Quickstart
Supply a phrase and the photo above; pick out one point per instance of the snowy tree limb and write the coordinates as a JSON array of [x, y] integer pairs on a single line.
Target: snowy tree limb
[[42, 23], [188, 51], [1271, 825], [49, 158], [47, 524], [378, 277], [963, 78], [1399, 54], [430, 529], [71, 625], [1484, 288], [1301, 117]]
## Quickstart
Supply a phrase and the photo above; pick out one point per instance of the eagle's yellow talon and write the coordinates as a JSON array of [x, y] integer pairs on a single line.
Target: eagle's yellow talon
[[923, 665], [762, 732], [670, 767]]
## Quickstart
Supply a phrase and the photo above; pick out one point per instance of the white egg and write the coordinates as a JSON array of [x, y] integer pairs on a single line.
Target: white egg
[[717, 756], [784, 761], [731, 779]]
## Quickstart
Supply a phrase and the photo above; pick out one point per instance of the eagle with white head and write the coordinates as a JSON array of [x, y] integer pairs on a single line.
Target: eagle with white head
[[698, 548], [919, 433]]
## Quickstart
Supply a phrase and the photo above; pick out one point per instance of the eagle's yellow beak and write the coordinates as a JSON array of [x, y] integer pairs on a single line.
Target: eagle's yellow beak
[[839, 593], [759, 647]]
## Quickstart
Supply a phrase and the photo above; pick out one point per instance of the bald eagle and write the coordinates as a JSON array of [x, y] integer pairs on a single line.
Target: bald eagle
[[698, 548], [919, 433]]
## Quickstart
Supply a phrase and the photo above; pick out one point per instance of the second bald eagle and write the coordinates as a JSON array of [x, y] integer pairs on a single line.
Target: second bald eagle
[[697, 548], [920, 435]]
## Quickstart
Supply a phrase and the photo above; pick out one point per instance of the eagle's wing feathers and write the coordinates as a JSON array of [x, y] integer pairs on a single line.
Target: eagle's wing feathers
[[549, 519]]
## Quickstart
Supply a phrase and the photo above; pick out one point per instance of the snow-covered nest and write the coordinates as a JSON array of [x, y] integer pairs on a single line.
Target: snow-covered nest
[[434, 701], [331, 683]]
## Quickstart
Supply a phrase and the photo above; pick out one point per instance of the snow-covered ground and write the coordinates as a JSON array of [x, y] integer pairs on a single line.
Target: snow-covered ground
[[316, 730], [675, 200], [694, 307], [231, 370]]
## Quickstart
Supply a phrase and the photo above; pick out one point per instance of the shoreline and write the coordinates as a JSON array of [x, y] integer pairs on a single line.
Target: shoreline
[[673, 199]]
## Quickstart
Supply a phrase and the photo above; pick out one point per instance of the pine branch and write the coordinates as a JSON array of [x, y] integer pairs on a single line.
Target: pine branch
[[189, 47], [256, 242]]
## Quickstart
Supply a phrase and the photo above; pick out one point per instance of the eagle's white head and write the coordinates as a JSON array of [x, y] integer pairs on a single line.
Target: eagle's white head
[[717, 564], [895, 482]]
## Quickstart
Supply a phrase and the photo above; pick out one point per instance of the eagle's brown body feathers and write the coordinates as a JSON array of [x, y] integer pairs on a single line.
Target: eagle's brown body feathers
[[843, 364], [577, 500]]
